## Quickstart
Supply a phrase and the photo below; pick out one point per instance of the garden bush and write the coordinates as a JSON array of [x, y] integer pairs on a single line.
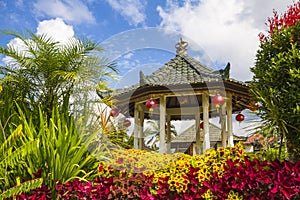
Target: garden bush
[[225, 173]]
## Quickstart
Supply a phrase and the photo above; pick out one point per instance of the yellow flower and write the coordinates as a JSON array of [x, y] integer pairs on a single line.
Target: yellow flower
[[208, 195], [234, 196]]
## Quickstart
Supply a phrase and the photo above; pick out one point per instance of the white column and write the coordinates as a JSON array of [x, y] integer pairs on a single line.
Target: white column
[[205, 105], [197, 127], [168, 134], [162, 122], [223, 125], [141, 128], [136, 127], [229, 119]]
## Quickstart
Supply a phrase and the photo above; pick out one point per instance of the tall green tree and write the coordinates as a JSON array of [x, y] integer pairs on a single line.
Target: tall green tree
[[276, 78], [46, 73], [40, 83]]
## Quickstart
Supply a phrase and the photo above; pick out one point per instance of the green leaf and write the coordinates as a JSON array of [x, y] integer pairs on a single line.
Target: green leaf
[[22, 188]]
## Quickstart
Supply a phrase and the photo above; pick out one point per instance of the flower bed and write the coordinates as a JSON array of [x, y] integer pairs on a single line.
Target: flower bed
[[219, 174]]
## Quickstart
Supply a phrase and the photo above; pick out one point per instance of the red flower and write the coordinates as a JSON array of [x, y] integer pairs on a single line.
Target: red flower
[[120, 161]]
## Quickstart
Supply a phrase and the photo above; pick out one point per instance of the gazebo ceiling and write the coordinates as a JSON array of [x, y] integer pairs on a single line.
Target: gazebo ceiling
[[181, 101], [182, 80]]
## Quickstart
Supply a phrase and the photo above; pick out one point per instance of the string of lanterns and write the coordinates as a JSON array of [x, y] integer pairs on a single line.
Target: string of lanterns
[[240, 117], [151, 104], [127, 123], [253, 106], [115, 113], [218, 100]]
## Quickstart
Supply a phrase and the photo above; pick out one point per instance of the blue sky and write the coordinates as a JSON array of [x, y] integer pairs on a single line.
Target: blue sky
[[141, 35]]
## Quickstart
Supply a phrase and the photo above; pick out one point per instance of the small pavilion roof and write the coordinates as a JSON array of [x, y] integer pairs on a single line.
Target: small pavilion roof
[[180, 76], [182, 69]]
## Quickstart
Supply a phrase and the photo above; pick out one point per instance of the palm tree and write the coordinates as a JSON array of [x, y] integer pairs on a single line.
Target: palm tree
[[152, 132], [47, 72], [37, 89]]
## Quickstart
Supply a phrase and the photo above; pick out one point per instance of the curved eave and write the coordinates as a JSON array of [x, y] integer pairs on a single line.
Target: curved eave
[[240, 93], [153, 91]]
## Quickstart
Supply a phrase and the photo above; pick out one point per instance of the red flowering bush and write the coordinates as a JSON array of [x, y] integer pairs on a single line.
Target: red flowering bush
[[288, 19], [253, 178], [42, 193], [226, 173]]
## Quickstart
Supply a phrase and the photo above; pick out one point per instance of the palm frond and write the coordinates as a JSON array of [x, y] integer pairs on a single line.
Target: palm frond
[[22, 188], [8, 144], [12, 158]]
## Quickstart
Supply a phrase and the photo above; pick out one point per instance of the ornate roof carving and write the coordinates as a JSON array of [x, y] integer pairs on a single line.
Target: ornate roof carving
[[181, 47]]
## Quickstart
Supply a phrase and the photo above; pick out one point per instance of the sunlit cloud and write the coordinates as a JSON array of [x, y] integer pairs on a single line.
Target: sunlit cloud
[[132, 10], [74, 11], [56, 28], [226, 30]]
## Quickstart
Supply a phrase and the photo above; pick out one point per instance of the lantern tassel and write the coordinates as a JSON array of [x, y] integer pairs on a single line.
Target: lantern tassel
[[151, 111], [218, 108]]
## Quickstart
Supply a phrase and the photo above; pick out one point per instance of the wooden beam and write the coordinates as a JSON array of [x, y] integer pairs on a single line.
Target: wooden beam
[[141, 128], [181, 111], [168, 134], [136, 127], [162, 122], [223, 125], [229, 119], [197, 125], [205, 105]]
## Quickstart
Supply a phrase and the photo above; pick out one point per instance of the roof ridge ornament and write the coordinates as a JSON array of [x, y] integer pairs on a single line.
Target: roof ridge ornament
[[181, 47], [143, 80], [224, 73]]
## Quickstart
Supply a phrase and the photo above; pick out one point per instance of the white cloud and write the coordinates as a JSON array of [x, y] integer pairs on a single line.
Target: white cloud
[[19, 3], [132, 10], [128, 55], [226, 30], [18, 45], [56, 28], [70, 10]]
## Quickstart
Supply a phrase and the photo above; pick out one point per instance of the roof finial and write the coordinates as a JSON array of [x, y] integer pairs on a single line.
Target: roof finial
[[143, 80], [181, 47]]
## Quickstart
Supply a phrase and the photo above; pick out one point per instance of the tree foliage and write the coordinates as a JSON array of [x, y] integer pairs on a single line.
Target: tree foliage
[[46, 73], [276, 77], [40, 137]]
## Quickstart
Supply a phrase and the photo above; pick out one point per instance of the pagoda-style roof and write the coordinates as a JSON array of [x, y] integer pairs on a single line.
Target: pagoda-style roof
[[182, 69], [182, 80]]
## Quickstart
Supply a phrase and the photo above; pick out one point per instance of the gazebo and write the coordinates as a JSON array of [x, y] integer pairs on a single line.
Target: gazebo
[[181, 89]]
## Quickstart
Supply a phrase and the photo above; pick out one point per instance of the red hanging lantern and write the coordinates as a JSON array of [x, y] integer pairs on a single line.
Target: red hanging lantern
[[218, 100], [126, 123], [253, 106], [151, 104], [201, 125], [114, 112], [239, 117]]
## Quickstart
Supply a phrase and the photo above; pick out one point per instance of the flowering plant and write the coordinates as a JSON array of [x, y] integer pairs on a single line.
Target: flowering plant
[[225, 173]]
